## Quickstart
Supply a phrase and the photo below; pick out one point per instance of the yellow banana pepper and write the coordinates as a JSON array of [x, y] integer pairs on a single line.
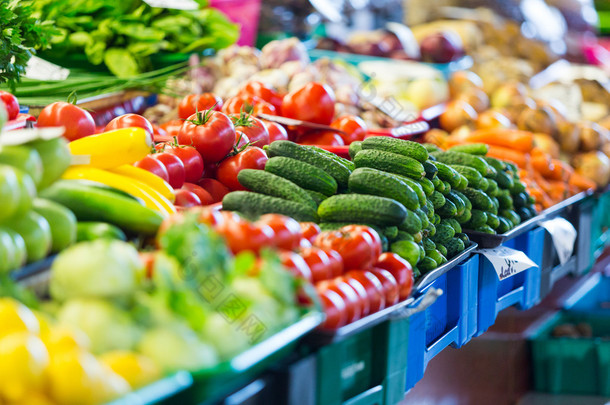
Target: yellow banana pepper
[[113, 148], [146, 177]]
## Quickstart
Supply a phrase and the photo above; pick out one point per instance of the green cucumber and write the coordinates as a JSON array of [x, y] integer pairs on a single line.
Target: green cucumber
[[380, 211], [471, 148], [431, 169], [302, 174], [464, 159], [448, 210], [411, 149], [412, 223], [345, 162], [437, 199], [89, 231], [354, 148], [365, 180], [264, 182], [255, 204], [390, 162]]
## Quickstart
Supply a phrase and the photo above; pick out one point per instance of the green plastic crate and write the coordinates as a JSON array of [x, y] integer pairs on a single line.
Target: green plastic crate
[[572, 366], [600, 225], [165, 391]]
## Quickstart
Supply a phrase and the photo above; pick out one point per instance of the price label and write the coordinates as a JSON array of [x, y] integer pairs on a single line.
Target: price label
[[563, 235], [408, 129], [506, 261], [22, 136], [175, 4], [40, 69]]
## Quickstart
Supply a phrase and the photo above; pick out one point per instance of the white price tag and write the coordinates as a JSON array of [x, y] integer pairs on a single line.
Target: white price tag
[[40, 69], [22, 136], [563, 235], [175, 4], [506, 261]]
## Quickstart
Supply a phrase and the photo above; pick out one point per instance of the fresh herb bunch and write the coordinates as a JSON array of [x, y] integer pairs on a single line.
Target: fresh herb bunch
[[20, 35], [123, 34]]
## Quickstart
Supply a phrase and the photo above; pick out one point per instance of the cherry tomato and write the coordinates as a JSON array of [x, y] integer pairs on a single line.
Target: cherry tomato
[[318, 263], [354, 127], [264, 92], [216, 189], [400, 269], [390, 286], [310, 230], [191, 159], [252, 127], [322, 138], [130, 120], [356, 247], [192, 103], [241, 139], [296, 264], [276, 131], [11, 104], [210, 132], [334, 308], [362, 294], [250, 158], [353, 306], [77, 122], [287, 231], [186, 199], [154, 166], [374, 288], [172, 128], [336, 263], [174, 166], [204, 196], [313, 102], [244, 235]]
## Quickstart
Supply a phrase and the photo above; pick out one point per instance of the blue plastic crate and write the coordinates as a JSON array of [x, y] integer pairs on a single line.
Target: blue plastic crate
[[591, 297], [449, 321], [522, 289]]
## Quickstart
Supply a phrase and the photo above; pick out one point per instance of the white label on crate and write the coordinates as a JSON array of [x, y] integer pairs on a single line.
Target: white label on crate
[[40, 69], [563, 235], [506, 261], [176, 4]]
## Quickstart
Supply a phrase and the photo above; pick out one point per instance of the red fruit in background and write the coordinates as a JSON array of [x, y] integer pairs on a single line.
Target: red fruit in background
[[322, 138], [174, 166], [192, 103], [77, 122], [287, 231], [353, 306], [191, 159], [154, 166], [204, 196], [355, 245], [186, 199], [334, 308], [336, 263], [400, 269], [250, 158], [354, 128], [263, 107], [11, 104], [244, 235], [130, 120], [216, 189], [310, 230], [390, 286], [441, 47], [296, 264], [276, 131], [313, 102], [264, 92], [210, 169], [318, 263], [374, 289], [210, 132], [361, 291], [304, 243], [252, 127], [171, 128]]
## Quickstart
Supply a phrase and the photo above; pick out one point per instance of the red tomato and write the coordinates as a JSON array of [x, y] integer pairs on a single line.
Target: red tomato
[[263, 107], [252, 127], [241, 139], [244, 235], [191, 159], [296, 264], [287, 231], [304, 243], [154, 166], [276, 131], [264, 92], [192, 103], [204, 196], [172, 128], [322, 138], [390, 286], [210, 216], [77, 122], [400, 269], [372, 233], [354, 127], [250, 158], [353, 306], [334, 308], [336, 263], [374, 288], [313, 102], [318, 263], [362, 294], [210, 169], [130, 120], [310, 230], [210, 132], [356, 247], [186, 199], [216, 189], [240, 103], [11, 104], [174, 166]]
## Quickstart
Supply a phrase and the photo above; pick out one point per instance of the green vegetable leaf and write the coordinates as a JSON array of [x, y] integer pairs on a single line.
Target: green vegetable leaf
[[121, 62]]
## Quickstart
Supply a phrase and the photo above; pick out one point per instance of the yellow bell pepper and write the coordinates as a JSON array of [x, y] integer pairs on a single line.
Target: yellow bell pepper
[[146, 177], [113, 148]]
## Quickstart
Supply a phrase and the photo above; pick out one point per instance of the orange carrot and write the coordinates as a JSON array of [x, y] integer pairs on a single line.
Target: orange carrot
[[582, 182], [518, 158], [522, 141]]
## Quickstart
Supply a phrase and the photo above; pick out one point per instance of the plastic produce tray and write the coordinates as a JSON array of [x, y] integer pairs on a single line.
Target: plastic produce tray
[[591, 297], [167, 390]]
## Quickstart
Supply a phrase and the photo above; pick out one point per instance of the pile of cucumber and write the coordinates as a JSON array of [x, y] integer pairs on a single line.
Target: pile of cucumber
[[417, 197]]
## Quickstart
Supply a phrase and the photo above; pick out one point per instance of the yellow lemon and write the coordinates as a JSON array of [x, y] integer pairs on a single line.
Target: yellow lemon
[[62, 338], [112, 386], [16, 317], [23, 362], [74, 378], [33, 398], [44, 323], [136, 369]]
